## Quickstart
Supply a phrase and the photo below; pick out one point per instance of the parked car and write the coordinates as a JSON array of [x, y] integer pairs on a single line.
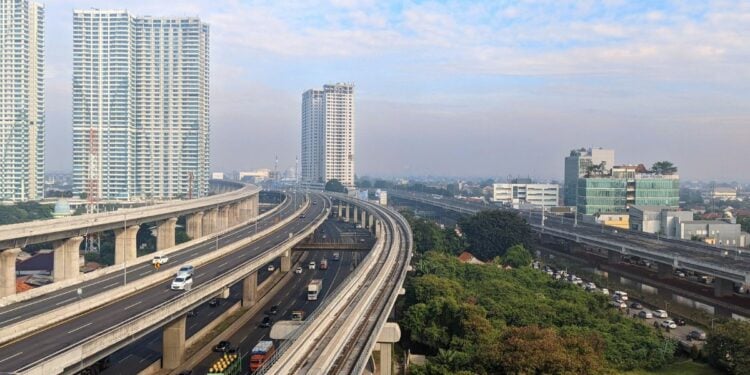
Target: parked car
[[618, 304], [605, 291], [214, 302], [661, 314], [643, 314], [311, 265], [271, 268], [182, 282], [636, 306], [222, 346], [696, 335], [274, 310], [298, 270], [590, 286], [266, 322], [185, 270], [192, 313], [161, 259], [621, 295], [668, 324]]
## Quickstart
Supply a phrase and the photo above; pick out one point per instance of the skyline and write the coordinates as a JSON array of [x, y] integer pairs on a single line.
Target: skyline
[[514, 87]]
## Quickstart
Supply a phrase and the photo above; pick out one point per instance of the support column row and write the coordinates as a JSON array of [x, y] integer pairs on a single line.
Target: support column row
[[209, 221], [8, 271], [165, 234], [67, 258], [194, 223], [126, 244]]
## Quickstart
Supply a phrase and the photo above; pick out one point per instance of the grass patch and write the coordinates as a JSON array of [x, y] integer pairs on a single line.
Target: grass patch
[[687, 367]]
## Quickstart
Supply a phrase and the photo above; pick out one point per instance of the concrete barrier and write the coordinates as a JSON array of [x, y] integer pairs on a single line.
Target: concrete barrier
[[53, 287], [157, 316], [48, 318]]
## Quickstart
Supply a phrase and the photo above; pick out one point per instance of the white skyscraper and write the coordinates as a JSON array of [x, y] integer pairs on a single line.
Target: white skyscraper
[[328, 134], [140, 105], [21, 100]]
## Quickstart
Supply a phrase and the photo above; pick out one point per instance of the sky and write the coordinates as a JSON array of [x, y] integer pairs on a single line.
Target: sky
[[461, 88]]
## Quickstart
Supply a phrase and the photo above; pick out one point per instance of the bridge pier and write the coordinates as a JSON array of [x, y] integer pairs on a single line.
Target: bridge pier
[[371, 223], [234, 214], [126, 243], [614, 257], [341, 210], [8, 271], [194, 224], [364, 218], [165, 233], [389, 335], [209, 221], [723, 287], [665, 271], [66, 258], [250, 290], [173, 343], [286, 261], [223, 218], [256, 205], [355, 217]]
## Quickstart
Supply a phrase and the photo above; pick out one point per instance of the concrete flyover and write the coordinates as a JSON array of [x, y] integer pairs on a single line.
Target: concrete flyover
[[102, 331], [203, 216], [343, 332], [727, 266]]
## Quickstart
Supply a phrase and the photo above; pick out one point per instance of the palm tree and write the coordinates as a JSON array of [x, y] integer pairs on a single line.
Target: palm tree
[[664, 167]]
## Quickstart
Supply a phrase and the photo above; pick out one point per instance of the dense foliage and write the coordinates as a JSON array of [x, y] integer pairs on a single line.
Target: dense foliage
[[23, 212], [490, 233], [664, 167], [335, 186], [519, 321], [728, 347], [430, 236], [517, 256]]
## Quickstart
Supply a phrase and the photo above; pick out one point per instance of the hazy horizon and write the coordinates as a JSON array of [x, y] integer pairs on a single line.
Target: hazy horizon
[[456, 88]]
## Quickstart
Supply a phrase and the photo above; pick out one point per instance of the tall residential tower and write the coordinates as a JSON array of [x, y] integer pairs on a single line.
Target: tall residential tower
[[328, 134], [140, 106], [21, 100]]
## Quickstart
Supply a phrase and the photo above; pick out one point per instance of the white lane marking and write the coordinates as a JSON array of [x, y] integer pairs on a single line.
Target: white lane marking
[[137, 303], [81, 327], [123, 360], [13, 356], [111, 285], [223, 264], [144, 272], [12, 319], [65, 301]]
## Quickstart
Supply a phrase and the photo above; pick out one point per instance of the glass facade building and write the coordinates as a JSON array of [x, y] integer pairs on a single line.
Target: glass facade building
[[616, 194]]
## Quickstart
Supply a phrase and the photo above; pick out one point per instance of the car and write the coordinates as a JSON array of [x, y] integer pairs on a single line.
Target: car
[[298, 270], [618, 304], [182, 282], [192, 313], [696, 335], [185, 270], [315, 203], [636, 306], [643, 314], [222, 346], [274, 310], [271, 268], [621, 295], [311, 265], [361, 240], [679, 274], [160, 259], [302, 216], [359, 226], [214, 302], [605, 291], [661, 314], [668, 324], [679, 321], [590, 286], [266, 322]]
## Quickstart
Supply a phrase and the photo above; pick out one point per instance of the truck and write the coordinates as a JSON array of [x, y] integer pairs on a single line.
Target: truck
[[228, 364], [324, 264], [315, 286], [262, 352], [298, 315]]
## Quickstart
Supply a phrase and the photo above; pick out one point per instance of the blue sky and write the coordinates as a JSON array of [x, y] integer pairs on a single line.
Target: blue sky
[[463, 88]]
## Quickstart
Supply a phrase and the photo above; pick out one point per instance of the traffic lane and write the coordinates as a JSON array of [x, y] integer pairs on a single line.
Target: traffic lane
[[295, 298], [19, 353], [33, 307]]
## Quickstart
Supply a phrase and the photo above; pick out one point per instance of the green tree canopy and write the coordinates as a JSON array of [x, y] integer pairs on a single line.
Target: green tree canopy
[[335, 186], [517, 256], [664, 167], [491, 233], [728, 347]]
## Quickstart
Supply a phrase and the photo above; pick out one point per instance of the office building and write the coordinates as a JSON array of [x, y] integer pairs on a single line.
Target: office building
[[328, 129], [140, 106], [658, 219], [21, 100], [626, 186], [518, 195], [579, 163]]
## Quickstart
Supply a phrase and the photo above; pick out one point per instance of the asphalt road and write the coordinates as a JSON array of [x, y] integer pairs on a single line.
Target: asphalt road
[[17, 312], [19, 354], [294, 297]]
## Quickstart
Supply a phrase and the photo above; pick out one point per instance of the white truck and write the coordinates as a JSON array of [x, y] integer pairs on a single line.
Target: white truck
[[315, 286]]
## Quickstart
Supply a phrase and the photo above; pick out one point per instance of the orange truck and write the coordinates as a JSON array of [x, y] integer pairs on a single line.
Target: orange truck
[[262, 352]]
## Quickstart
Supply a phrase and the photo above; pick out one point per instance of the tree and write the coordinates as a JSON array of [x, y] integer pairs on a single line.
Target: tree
[[517, 256], [664, 167], [383, 184], [364, 184], [491, 233], [335, 185], [728, 347]]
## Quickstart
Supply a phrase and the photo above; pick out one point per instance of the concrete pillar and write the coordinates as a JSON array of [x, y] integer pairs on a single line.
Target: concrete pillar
[[238, 218], [372, 222], [8, 271], [341, 211], [209, 221], [165, 234], [348, 209], [613, 257], [126, 243], [222, 221], [250, 290], [364, 218], [286, 261], [246, 209], [665, 271], [355, 217], [67, 258], [390, 334], [723, 287], [224, 293], [194, 224], [173, 343]]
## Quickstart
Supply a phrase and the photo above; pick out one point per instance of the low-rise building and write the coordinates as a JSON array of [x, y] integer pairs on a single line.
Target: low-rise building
[[716, 232], [518, 194], [658, 219], [724, 193]]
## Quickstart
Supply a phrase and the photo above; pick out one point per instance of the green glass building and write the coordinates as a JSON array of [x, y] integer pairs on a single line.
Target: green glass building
[[616, 194]]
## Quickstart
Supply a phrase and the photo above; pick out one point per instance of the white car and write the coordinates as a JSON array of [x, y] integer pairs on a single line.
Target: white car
[[605, 291], [186, 270], [618, 304], [298, 270], [182, 282], [621, 295], [161, 259], [669, 324], [590, 286], [271, 268], [643, 314], [311, 265], [660, 314]]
